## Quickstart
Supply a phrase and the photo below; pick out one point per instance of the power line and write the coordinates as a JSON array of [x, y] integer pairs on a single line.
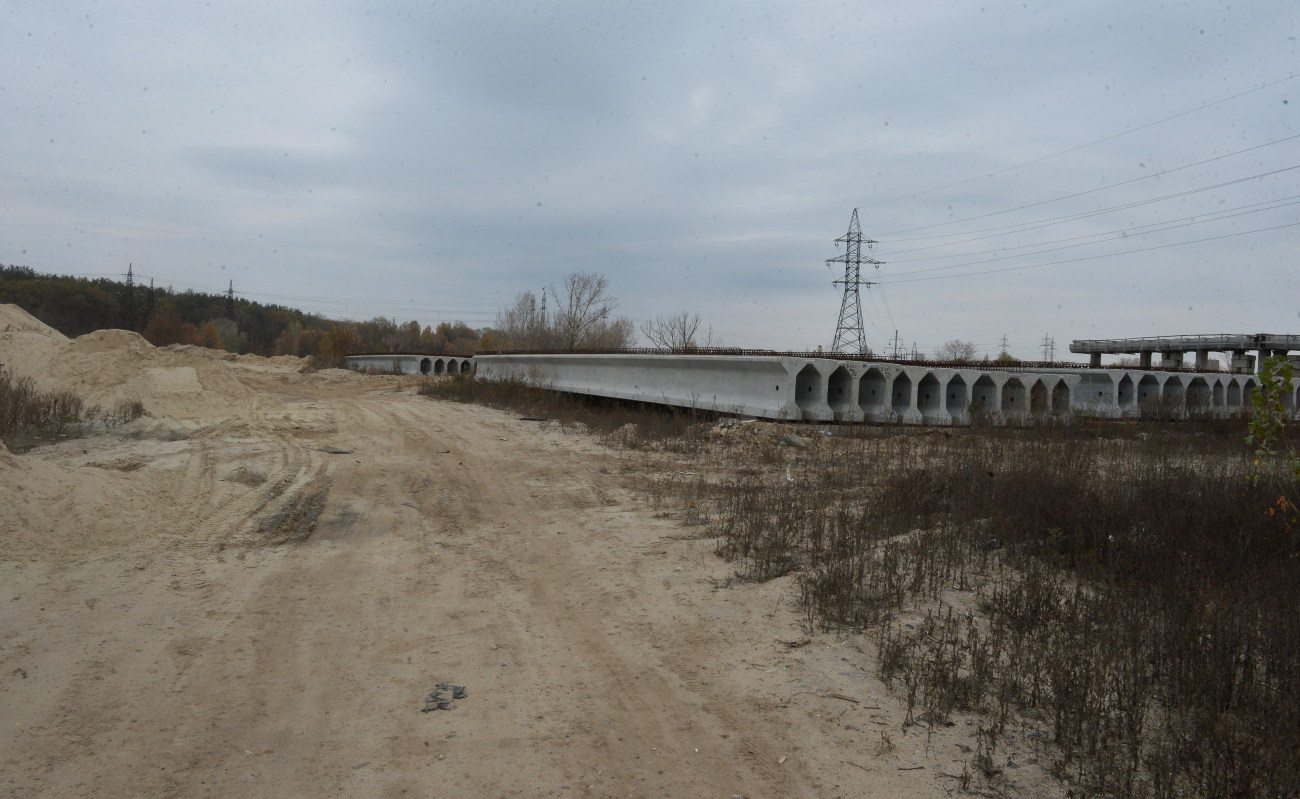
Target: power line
[[1091, 257], [1025, 227], [1084, 146], [1094, 191], [1022, 227], [1123, 234]]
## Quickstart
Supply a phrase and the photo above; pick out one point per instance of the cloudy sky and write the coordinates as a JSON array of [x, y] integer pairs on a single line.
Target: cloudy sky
[[1030, 169]]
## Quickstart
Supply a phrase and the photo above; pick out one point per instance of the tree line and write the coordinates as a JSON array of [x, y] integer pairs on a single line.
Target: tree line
[[580, 316], [76, 305]]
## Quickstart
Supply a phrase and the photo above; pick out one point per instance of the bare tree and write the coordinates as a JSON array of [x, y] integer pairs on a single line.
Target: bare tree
[[956, 350], [674, 331], [584, 318], [522, 326]]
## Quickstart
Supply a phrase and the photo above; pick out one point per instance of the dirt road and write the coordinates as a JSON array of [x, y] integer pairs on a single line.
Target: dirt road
[[259, 606]]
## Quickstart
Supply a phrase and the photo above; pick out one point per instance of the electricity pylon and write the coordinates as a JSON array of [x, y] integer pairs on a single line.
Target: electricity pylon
[[849, 336]]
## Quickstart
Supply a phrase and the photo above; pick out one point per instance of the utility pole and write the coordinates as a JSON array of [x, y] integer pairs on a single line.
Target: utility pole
[[230, 301], [895, 342], [543, 307], [1049, 348], [1004, 352], [130, 297], [848, 330], [147, 316]]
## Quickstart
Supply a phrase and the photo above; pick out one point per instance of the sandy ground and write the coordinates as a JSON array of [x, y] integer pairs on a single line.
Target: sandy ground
[[258, 603]]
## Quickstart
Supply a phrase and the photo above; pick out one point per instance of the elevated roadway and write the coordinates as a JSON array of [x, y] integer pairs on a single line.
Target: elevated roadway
[[1172, 348]]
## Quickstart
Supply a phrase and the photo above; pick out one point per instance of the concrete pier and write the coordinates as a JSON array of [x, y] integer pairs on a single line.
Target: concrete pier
[[820, 389]]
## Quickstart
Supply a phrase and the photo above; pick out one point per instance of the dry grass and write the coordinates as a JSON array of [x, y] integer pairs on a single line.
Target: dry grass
[[626, 425], [1118, 594], [1133, 599], [29, 416]]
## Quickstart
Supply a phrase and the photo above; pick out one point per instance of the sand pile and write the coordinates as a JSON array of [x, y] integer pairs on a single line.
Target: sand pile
[[108, 367], [275, 363], [335, 375], [256, 363], [201, 352], [13, 318]]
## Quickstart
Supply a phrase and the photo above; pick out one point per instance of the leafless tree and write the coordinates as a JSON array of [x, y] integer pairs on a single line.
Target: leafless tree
[[955, 350], [522, 326], [584, 316], [674, 331]]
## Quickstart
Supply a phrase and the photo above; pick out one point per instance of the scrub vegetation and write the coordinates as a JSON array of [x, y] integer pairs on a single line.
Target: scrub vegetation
[[623, 424], [29, 416], [1122, 596]]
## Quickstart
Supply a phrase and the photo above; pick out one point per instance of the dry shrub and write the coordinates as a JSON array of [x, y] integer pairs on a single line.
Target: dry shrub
[[1132, 600], [1137, 602], [27, 413], [29, 416]]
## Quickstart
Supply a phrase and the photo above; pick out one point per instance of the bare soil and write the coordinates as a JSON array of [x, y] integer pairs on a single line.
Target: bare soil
[[257, 603]]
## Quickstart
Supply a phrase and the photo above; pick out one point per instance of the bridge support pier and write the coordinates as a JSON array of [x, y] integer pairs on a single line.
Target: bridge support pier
[[1202, 360], [1144, 359]]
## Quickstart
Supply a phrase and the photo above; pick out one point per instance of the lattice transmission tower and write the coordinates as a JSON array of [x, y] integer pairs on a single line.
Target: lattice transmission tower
[[848, 331]]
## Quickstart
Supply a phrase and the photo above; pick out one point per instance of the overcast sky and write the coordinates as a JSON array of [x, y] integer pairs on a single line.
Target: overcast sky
[[430, 161]]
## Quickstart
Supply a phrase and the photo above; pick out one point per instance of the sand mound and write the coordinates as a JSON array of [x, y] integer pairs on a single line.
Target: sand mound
[[278, 360], [201, 352], [109, 367], [276, 363], [13, 318], [329, 375]]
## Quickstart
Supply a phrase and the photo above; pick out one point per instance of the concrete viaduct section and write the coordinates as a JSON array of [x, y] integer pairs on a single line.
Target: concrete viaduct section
[[750, 385], [1172, 348], [826, 390], [412, 363]]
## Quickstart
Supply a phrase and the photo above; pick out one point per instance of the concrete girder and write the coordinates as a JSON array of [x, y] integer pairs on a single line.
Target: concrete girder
[[1061, 398], [903, 399], [810, 395], [1126, 394], [827, 389], [957, 399], [873, 394], [842, 395], [1013, 403], [412, 363], [929, 398], [986, 396]]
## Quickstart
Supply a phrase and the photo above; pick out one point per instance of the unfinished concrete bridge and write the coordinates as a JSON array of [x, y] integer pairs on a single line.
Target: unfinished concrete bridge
[[1237, 346], [831, 387]]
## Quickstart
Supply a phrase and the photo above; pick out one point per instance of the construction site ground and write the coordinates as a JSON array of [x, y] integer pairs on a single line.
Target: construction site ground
[[252, 590]]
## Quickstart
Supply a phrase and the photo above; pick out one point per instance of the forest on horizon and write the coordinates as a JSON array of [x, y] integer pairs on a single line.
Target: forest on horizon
[[77, 305]]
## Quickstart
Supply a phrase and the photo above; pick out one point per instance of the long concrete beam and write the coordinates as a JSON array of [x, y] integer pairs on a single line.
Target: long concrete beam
[[412, 363], [825, 389]]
